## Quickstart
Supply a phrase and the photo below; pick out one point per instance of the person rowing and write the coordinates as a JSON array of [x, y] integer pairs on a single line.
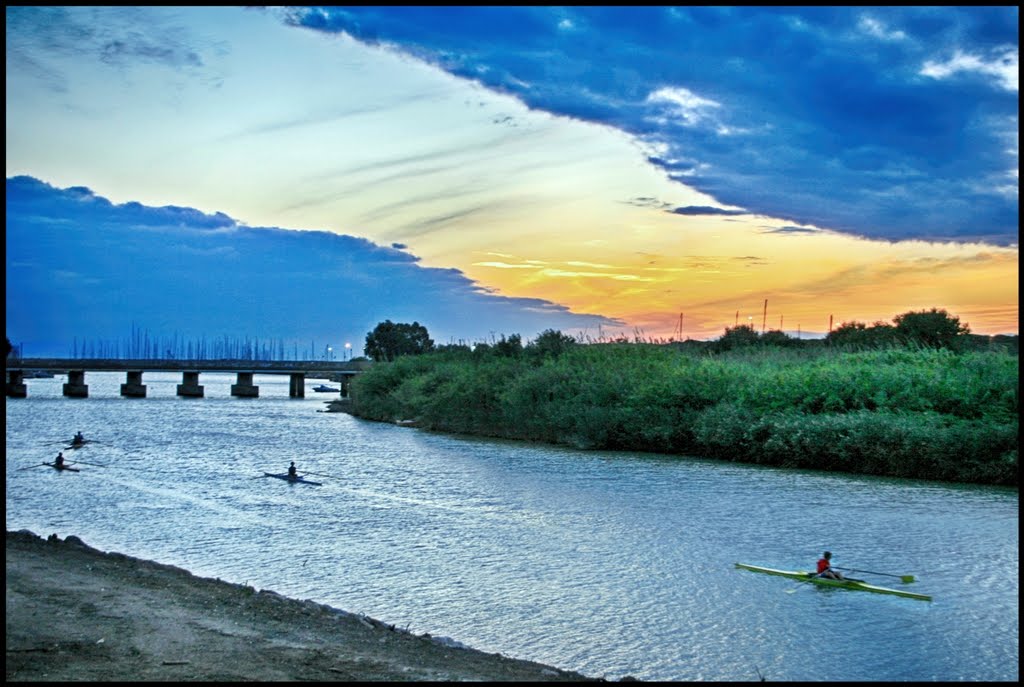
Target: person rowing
[[292, 472], [78, 440], [825, 568], [58, 462]]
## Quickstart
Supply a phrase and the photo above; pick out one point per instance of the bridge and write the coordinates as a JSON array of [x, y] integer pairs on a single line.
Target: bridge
[[75, 387]]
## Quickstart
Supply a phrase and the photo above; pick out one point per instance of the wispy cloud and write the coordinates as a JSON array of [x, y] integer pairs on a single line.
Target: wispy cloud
[[1003, 66], [878, 29], [121, 37], [789, 229], [697, 210]]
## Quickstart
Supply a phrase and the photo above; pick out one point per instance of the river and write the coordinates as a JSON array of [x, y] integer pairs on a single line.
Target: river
[[608, 563]]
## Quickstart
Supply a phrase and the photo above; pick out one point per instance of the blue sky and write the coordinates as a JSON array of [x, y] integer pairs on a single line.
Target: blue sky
[[499, 170]]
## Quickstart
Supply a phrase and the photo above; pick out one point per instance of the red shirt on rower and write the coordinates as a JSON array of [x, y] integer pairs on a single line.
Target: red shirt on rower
[[825, 567]]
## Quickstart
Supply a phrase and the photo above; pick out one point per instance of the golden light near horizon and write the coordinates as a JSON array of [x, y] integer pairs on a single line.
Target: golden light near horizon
[[710, 267]]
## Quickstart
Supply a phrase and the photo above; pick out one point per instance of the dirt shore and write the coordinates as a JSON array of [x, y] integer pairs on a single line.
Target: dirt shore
[[78, 614]]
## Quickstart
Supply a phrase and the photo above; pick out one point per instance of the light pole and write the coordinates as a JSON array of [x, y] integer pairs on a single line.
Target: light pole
[[348, 351]]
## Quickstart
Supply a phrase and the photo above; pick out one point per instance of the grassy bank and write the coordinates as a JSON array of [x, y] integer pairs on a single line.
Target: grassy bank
[[929, 414]]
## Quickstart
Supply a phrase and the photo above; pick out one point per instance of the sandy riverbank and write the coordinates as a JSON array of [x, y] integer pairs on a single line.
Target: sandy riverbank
[[75, 613]]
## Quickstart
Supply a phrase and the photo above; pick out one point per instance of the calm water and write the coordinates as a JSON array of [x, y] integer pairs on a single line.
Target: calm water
[[608, 563]]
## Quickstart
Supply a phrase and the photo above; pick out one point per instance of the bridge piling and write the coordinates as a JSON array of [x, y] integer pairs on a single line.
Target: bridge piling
[[16, 387], [76, 387], [297, 385], [190, 385], [133, 386], [245, 388]]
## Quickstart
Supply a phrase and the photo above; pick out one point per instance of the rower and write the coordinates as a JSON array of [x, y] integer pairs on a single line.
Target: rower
[[79, 439], [292, 472], [59, 460], [825, 567]]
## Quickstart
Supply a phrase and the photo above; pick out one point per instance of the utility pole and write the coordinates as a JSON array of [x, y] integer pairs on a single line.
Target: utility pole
[[764, 318]]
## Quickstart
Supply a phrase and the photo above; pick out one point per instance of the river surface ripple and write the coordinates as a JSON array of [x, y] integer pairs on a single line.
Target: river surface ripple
[[609, 563]]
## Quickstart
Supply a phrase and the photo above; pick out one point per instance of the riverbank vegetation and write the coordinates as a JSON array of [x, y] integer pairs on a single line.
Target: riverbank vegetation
[[904, 411]]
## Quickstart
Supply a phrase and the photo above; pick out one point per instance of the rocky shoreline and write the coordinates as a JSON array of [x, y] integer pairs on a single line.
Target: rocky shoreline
[[76, 613]]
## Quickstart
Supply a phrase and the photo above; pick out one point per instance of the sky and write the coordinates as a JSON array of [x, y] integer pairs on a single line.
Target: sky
[[304, 173]]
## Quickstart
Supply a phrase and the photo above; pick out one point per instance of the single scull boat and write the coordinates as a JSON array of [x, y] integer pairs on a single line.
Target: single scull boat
[[286, 478], [62, 467], [843, 584]]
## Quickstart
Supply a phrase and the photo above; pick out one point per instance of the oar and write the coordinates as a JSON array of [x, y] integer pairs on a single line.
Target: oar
[[797, 587], [34, 466], [84, 463], [319, 474], [906, 579]]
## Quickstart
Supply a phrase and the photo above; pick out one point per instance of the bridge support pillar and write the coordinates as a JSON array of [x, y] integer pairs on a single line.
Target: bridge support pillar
[[190, 385], [297, 386], [346, 383], [133, 386], [76, 386], [245, 387], [16, 387]]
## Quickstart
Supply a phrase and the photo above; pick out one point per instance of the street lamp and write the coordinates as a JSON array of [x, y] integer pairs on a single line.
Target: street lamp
[[329, 353], [348, 351]]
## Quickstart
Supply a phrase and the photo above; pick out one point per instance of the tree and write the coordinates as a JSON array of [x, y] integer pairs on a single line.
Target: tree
[[737, 337], [388, 340], [511, 347], [848, 333], [933, 328], [551, 343], [777, 337]]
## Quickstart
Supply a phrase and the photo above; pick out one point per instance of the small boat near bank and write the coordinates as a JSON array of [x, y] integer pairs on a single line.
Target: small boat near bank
[[287, 478], [325, 388], [856, 585]]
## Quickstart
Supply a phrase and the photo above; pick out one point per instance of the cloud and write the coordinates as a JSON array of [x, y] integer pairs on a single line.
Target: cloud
[[878, 29], [121, 36], [834, 117], [79, 266], [684, 106], [1004, 66], [789, 229], [706, 210]]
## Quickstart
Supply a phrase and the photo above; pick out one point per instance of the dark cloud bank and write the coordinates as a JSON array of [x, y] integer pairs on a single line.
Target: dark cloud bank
[[81, 267], [816, 115]]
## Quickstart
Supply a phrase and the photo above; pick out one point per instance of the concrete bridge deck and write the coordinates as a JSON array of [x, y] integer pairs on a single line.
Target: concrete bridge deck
[[342, 371]]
